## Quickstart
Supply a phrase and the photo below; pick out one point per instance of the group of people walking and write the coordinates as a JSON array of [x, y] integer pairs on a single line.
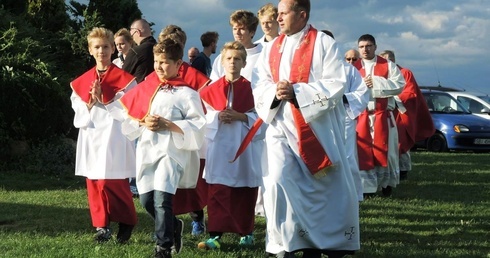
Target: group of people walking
[[283, 127]]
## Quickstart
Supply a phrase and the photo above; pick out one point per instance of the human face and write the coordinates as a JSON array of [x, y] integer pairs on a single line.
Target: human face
[[242, 35], [351, 56], [367, 49], [269, 25], [101, 49], [166, 68], [122, 45], [192, 54], [233, 63], [290, 21]]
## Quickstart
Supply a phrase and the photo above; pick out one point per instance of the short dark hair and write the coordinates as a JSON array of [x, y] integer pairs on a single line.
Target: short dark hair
[[302, 5], [207, 38], [172, 49], [367, 37]]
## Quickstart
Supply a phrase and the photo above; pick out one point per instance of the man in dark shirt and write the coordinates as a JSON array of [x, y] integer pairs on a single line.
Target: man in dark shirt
[[139, 61], [209, 42]]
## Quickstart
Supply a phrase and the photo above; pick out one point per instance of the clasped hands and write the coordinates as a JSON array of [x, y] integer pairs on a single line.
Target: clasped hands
[[229, 115], [156, 123], [284, 90], [95, 94]]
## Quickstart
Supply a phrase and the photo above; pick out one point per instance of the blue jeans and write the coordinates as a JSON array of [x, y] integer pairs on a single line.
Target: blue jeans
[[159, 205]]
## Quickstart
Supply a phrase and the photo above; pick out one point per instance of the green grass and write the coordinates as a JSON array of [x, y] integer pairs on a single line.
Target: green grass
[[443, 210]]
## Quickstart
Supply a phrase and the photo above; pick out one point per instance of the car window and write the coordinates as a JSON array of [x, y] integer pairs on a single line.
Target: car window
[[471, 104], [443, 103]]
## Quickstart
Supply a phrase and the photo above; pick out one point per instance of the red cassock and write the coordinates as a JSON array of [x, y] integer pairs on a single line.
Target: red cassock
[[416, 123]]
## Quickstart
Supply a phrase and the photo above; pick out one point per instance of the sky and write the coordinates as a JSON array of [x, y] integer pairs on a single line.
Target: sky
[[443, 42]]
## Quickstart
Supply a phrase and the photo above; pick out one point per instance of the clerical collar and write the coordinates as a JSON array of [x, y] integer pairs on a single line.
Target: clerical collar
[[300, 33]]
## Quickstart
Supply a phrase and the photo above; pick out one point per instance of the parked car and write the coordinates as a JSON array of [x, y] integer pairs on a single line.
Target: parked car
[[475, 103], [456, 127]]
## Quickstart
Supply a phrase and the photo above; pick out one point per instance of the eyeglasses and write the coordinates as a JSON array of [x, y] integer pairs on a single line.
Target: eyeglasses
[[351, 59]]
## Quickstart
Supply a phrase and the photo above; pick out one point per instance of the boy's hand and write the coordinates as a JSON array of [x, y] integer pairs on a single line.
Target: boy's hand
[[157, 123], [229, 115]]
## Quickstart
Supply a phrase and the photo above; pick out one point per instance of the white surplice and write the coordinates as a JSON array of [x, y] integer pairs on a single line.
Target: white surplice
[[357, 95], [103, 152], [218, 70], [222, 141], [389, 87], [168, 160], [303, 211]]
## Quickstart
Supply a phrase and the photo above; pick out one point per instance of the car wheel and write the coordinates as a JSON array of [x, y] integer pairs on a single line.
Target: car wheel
[[437, 143]]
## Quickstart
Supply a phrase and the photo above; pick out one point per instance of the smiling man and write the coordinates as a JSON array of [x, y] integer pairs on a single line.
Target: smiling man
[[310, 199]]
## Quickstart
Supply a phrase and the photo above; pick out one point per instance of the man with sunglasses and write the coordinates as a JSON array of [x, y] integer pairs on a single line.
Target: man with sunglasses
[[139, 60]]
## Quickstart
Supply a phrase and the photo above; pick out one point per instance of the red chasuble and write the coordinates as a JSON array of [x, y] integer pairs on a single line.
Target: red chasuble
[[373, 152], [310, 149], [113, 81], [216, 95], [416, 123], [138, 100], [195, 78]]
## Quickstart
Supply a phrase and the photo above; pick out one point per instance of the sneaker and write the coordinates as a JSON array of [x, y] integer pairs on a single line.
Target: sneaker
[[198, 228], [212, 243], [124, 233], [161, 252], [103, 235], [178, 239], [247, 240]]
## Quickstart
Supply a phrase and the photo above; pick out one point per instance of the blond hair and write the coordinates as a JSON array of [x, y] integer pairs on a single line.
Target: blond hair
[[245, 18], [234, 45], [267, 10], [100, 33]]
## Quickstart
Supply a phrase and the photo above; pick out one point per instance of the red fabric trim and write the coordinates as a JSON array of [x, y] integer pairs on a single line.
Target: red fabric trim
[[195, 78], [138, 100], [310, 149], [113, 81], [373, 152], [216, 95]]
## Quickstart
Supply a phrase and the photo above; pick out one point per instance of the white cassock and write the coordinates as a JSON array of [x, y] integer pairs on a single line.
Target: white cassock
[[384, 88], [301, 210], [252, 55], [357, 95], [103, 152], [167, 160]]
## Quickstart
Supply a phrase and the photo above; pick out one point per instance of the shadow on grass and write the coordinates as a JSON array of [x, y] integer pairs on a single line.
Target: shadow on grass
[[14, 181]]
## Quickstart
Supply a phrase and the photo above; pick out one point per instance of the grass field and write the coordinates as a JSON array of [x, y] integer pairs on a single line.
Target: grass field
[[443, 210]]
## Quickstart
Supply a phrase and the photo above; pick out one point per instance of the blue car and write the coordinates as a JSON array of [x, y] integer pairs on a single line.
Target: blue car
[[456, 127]]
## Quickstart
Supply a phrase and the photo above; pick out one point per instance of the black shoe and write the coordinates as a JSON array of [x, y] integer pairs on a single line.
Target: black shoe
[[103, 235], [282, 254], [403, 175], [387, 191], [124, 233], [368, 195], [312, 253], [161, 252], [178, 239]]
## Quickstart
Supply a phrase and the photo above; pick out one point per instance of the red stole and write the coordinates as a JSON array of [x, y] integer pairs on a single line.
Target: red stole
[[374, 152], [310, 149], [416, 123], [138, 100], [196, 79], [113, 81], [216, 95]]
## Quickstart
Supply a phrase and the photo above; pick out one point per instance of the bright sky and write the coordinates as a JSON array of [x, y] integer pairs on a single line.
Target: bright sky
[[439, 40]]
